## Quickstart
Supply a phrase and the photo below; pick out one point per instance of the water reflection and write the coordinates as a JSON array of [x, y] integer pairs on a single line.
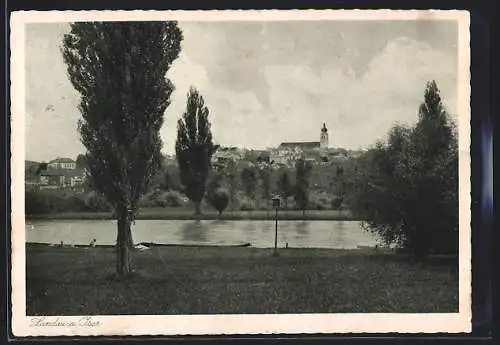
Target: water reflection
[[302, 228], [217, 222], [194, 231], [340, 232], [250, 232]]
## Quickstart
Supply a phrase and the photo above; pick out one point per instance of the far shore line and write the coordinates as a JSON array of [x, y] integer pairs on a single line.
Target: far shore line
[[292, 215]]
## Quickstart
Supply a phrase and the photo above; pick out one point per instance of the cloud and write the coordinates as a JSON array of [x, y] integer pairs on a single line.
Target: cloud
[[51, 102], [228, 108], [393, 87], [184, 73]]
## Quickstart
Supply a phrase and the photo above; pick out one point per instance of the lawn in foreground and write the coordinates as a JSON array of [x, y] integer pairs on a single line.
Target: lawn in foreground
[[190, 280]]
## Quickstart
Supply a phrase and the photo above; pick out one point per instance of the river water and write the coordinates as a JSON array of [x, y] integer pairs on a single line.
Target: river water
[[298, 234]]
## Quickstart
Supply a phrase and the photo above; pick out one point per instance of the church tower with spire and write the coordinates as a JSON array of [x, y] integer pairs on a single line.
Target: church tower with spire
[[323, 141]]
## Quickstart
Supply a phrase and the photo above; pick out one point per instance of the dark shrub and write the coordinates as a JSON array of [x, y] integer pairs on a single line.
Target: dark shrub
[[95, 202], [336, 203], [46, 201], [160, 198], [53, 201], [173, 199], [219, 200], [36, 203], [75, 203], [247, 204]]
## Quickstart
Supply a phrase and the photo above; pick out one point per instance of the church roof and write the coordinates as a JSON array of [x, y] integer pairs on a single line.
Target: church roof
[[300, 144]]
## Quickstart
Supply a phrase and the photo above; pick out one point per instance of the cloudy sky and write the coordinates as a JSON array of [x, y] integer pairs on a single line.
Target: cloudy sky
[[267, 82]]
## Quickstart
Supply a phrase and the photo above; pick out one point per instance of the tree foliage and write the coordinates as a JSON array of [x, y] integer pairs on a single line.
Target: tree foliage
[[340, 187], [284, 186], [265, 178], [166, 182], [216, 195], [81, 161], [41, 168], [301, 189], [215, 182], [231, 174], [407, 187], [249, 180], [119, 70], [194, 148]]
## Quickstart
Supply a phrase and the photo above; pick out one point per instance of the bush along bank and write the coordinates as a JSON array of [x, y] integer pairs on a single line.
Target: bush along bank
[[161, 204], [58, 201], [53, 201]]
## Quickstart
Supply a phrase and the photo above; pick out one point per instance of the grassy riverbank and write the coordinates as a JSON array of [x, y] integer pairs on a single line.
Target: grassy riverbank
[[175, 213], [189, 280]]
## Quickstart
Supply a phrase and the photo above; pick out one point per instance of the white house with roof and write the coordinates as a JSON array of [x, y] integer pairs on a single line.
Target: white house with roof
[[62, 163]]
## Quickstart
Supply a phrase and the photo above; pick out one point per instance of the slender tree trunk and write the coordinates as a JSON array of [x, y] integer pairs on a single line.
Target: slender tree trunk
[[123, 245], [124, 238], [128, 235], [197, 207]]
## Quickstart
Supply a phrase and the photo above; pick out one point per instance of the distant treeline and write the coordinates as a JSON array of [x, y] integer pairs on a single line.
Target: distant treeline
[[48, 201]]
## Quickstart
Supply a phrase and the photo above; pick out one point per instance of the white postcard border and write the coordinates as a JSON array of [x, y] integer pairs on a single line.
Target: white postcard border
[[232, 324]]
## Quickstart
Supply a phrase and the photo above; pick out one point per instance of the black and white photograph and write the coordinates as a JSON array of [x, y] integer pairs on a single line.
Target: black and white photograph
[[240, 172]]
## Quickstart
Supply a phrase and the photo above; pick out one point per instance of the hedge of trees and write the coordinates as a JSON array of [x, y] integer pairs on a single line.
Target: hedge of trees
[[48, 201]]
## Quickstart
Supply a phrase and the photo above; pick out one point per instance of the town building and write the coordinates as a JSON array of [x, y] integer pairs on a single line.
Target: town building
[[62, 177], [287, 153]]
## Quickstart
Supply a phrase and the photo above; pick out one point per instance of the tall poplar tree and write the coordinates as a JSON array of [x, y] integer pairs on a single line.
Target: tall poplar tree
[[119, 69], [194, 148]]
